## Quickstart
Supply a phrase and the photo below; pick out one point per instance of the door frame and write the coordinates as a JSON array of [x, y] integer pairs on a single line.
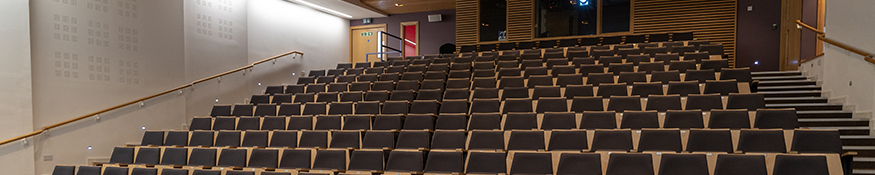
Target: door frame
[[351, 35], [791, 10], [408, 23]]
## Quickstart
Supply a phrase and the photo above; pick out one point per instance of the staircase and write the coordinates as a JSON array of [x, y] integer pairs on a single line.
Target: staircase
[[790, 89]]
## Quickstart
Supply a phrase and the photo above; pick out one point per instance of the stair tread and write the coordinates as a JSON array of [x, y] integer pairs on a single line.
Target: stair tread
[[790, 92], [796, 98], [787, 87], [858, 147], [824, 112], [841, 127], [785, 81], [864, 171], [832, 119], [778, 77], [864, 159], [793, 98], [856, 137], [773, 72], [805, 104]]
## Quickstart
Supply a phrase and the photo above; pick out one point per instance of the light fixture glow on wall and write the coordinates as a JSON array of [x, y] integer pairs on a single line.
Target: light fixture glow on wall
[[584, 2], [321, 8]]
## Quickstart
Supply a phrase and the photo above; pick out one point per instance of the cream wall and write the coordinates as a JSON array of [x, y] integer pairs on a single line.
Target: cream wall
[[845, 76], [215, 42], [65, 58], [15, 75], [90, 55], [276, 26]]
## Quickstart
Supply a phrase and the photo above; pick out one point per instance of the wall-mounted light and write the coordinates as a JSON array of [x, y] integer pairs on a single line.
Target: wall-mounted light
[[399, 5], [583, 2], [321, 8], [756, 62]]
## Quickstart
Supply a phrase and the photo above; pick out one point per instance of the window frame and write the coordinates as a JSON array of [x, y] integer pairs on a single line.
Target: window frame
[[599, 32]]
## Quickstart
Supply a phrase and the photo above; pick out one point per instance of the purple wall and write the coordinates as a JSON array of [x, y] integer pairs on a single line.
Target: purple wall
[[431, 34], [808, 42], [757, 40]]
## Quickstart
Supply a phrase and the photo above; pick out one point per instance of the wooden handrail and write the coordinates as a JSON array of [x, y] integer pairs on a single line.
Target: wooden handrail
[[44, 129], [812, 58], [867, 56], [799, 22], [820, 36]]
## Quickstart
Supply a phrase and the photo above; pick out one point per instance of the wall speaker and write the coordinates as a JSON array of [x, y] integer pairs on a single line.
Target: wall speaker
[[434, 18]]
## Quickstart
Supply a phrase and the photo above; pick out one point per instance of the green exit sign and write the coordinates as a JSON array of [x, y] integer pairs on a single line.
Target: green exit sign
[[367, 33]]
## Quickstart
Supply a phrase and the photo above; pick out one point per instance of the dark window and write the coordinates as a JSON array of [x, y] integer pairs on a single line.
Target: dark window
[[493, 19], [580, 17], [615, 16]]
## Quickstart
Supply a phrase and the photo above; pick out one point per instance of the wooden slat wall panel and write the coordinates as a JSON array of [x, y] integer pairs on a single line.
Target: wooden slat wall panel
[[520, 17], [714, 20], [467, 22]]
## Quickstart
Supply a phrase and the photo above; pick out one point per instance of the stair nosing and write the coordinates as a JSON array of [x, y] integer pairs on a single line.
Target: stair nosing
[[823, 111], [770, 81], [773, 72], [858, 147], [796, 98], [856, 137], [805, 104], [842, 127], [778, 77], [832, 119], [787, 87]]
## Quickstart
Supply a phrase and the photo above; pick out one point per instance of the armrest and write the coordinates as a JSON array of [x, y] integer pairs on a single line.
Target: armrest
[[849, 153]]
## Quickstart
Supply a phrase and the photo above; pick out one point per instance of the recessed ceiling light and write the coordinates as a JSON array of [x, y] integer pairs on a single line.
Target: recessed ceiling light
[[399, 5], [322, 8]]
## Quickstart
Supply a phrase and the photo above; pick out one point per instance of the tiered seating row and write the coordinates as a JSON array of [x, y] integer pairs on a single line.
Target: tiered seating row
[[622, 140], [731, 119], [421, 74], [542, 103], [667, 39], [330, 161]]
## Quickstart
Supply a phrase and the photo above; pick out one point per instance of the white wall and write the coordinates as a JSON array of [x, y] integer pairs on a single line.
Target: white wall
[[215, 42], [844, 75], [65, 58], [90, 55], [15, 73], [277, 26]]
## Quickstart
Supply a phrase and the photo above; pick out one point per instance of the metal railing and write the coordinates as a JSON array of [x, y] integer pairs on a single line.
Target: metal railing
[[44, 129], [381, 47]]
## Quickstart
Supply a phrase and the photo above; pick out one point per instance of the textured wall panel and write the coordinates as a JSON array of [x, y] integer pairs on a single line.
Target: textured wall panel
[[467, 22], [713, 20], [520, 17]]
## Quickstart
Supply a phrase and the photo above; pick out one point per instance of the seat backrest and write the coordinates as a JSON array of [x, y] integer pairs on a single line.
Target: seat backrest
[[776, 118], [486, 140], [660, 140], [629, 163], [740, 164], [531, 163], [713, 140], [817, 141], [769, 141], [620, 140], [683, 164]]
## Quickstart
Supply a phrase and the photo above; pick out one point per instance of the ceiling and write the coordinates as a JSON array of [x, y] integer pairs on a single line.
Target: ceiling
[[356, 10], [409, 6]]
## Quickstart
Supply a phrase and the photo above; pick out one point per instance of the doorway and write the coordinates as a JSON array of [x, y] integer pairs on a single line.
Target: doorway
[[410, 33], [363, 40]]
